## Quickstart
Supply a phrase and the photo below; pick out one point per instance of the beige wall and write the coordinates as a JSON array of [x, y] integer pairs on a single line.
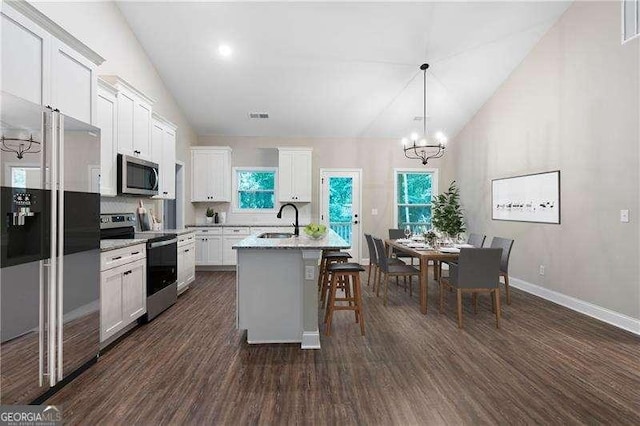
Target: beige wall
[[571, 105], [376, 157], [101, 26]]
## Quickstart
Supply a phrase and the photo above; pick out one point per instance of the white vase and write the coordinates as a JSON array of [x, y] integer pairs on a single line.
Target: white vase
[[209, 219]]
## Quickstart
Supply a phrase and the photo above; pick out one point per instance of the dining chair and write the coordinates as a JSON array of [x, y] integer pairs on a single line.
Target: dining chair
[[396, 234], [373, 260], [505, 244], [477, 271], [389, 269], [476, 240]]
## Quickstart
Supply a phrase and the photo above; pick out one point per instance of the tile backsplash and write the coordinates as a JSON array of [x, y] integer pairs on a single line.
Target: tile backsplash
[[304, 215], [129, 205]]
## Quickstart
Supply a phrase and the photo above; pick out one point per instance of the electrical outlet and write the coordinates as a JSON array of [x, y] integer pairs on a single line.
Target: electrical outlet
[[541, 270], [374, 212], [624, 216], [309, 273]]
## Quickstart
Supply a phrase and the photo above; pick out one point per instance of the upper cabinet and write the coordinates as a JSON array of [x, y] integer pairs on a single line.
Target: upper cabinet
[[134, 119], [294, 174], [107, 121], [163, 152], [44, 64], [211, 174]]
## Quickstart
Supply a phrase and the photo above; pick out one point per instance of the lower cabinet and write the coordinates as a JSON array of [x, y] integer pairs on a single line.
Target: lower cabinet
[[208, 250], [123, 294], [214, 245], [186, 262]]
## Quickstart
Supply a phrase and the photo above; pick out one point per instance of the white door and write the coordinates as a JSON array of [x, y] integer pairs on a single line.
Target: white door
[[142, 129], [134, 297], [126, 105], [340, 205], [201, 183]]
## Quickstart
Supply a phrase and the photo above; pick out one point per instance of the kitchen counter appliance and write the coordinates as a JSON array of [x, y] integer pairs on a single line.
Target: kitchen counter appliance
[[162, 259], [50, 249]]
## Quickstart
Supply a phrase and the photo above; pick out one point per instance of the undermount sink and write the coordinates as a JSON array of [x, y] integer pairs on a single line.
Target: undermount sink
[[276, 235]]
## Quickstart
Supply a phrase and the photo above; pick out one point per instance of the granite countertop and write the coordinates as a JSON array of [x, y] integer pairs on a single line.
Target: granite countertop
[[303, 242], [242, 225], [180, 231], [107, 245]]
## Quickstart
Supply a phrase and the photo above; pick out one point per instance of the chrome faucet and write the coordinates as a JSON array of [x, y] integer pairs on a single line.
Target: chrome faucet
[[296, 229]]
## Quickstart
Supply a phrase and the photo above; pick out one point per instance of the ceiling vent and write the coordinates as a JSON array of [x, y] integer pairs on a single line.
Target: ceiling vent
[[259, 115]]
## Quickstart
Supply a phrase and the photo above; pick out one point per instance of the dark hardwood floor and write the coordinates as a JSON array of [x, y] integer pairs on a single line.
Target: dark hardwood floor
[[546, 365]]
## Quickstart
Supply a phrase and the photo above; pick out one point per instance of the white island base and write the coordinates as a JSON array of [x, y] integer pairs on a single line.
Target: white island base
[[277, 289], [275, 303]]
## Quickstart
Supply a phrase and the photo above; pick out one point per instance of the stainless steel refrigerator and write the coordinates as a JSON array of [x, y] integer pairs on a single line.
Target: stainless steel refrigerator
[[50, 248]]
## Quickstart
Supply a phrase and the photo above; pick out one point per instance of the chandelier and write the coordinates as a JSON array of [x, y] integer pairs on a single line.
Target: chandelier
[[423, 148], [19, 146]]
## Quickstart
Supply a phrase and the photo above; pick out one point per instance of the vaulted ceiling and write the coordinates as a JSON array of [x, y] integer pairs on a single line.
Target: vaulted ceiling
[[336, 69]]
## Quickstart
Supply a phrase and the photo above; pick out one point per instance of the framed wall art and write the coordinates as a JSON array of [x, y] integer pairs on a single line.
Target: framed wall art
[[527, 198]]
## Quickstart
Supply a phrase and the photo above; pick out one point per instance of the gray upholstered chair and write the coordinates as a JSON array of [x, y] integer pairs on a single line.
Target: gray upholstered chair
[[476, 240], [477, 271], [396, 234], [373, 260], [388, 268], [505, 244]]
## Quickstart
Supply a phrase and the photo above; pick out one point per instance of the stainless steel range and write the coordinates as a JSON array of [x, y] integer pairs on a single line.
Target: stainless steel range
[[162, 259]]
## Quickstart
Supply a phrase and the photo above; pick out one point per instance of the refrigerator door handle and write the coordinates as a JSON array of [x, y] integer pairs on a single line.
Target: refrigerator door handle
[[41, 373], [43, 263], [51, 282], [59, 294]]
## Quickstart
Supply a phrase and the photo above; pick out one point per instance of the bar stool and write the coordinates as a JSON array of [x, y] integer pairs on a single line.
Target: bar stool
[[350, 274], [324, 276]]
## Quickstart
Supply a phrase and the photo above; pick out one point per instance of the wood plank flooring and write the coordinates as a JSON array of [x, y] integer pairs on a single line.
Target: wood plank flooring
[[546, 365]]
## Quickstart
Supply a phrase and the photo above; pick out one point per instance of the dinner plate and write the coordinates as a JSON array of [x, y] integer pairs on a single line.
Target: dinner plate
[[449, 250]]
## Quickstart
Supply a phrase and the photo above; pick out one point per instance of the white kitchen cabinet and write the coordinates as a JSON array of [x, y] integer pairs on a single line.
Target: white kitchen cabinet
[[123, 291], [231, 236], [134, 119], [294, 174], [211, 174], [74, 83], [134, 291], [208, 247], [111, 313], [107, 121], [44, 64], [163, 152], [186, 261]]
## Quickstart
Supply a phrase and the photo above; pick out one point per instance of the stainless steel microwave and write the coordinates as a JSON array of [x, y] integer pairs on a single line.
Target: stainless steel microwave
[[137, 176]]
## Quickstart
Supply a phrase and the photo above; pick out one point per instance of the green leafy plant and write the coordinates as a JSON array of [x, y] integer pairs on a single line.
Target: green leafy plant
[[210, 212], [447, 213]]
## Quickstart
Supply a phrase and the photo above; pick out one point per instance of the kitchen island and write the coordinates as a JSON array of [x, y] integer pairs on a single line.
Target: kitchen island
[[276, 288]]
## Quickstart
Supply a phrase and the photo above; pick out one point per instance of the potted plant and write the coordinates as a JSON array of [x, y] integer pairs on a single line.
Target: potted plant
[[210, 213], [447, 213]]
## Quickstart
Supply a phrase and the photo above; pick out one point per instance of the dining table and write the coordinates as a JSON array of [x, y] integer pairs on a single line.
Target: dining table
[[425, 255]]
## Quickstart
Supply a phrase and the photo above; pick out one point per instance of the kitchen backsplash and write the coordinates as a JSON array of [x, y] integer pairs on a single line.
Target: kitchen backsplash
[[288, 215], [129, 205]]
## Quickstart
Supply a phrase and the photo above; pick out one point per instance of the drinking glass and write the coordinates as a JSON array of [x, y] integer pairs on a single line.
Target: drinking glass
[[407, 231]]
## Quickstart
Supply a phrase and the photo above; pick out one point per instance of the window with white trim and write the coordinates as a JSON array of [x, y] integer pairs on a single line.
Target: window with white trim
[[630, 19], [413, 194], [254, 189]]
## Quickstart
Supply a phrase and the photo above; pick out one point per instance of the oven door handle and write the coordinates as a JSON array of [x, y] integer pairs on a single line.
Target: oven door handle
[[163, 243]]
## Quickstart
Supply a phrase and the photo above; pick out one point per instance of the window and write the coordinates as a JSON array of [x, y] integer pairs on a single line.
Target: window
[[414, 190], [630, 19], [255, 189]]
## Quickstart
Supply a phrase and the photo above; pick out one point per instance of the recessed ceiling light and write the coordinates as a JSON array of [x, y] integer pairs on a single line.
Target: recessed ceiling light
[[225, 50]]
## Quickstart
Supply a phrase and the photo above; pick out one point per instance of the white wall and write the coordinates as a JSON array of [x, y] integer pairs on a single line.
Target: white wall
[[573, 105], [102, 27]]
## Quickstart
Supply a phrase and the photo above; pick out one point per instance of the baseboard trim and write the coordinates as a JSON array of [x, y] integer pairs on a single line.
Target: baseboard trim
[[616, 319], [310, 340]]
